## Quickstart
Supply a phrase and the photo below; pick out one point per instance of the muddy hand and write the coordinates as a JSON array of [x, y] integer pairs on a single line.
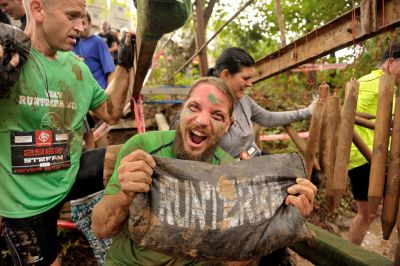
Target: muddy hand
[[14, 61], [135, 171], [302, 195], [126, 51]]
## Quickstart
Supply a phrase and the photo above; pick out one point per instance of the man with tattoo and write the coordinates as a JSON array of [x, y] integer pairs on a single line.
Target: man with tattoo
[[206, 116], [41, 129]]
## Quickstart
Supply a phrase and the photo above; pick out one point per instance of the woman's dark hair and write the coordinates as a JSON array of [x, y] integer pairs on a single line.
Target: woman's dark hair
[[232, 59], [392, 52]]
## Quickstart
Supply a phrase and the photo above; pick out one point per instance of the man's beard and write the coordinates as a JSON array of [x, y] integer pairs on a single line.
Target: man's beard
[[181, 153]]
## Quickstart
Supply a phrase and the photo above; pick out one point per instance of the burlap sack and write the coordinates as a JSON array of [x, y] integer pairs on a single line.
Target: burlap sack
[[227, 212]]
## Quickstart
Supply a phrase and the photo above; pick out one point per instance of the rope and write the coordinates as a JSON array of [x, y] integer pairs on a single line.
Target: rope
[[209, 40], [383, 13], [139, 115]]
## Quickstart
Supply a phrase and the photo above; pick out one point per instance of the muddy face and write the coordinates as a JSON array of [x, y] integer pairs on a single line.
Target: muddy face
[[204, 120]]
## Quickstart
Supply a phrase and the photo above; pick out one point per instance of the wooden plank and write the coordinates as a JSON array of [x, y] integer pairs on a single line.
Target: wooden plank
[[345, 136], [331, 250], [377, 174], [166, 90], [162, 123], [130, 124], [362, 146], [144, 49], [391, 197], [329, 38], [201, 36], [361, 121], [154, 20]]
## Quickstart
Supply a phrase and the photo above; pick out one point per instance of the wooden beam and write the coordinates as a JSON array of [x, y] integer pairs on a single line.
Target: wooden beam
[[166, 90], [281, 21], [144, 49], [331, 37], [361, 121], [201, 36], [162, 123], [331, 250], [155, 18]]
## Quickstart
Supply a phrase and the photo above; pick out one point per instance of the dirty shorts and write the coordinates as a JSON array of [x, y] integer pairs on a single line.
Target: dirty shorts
[[22, 237]]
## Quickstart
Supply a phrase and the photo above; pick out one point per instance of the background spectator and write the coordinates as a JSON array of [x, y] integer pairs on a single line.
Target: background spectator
[[108, 37]]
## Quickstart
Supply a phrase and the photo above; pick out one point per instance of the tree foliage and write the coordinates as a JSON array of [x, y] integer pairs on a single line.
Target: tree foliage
[[256, 30]]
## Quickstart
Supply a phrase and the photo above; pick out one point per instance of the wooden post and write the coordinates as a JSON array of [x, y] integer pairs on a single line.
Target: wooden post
[[391, 197], [344, 141], [360, 121], [323, 142], [332, 110], [362, 146], [281, 21], [374, 17], [201, 36], [381, 142], [365, 10], [315, 130], [299, 142]]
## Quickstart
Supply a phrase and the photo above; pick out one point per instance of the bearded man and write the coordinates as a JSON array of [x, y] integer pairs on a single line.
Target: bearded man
[[206, 116]]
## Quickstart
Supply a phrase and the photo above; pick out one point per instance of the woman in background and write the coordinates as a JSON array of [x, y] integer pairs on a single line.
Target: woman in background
[[236, 68]]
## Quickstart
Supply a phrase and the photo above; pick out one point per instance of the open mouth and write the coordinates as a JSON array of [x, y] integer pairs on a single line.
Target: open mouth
[[197, 137], [73, 38]]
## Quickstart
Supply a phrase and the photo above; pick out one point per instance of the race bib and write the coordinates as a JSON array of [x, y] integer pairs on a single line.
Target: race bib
[[39, 151]]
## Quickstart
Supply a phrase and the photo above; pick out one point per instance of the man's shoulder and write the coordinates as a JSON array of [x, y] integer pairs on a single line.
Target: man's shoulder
[[152, 139]]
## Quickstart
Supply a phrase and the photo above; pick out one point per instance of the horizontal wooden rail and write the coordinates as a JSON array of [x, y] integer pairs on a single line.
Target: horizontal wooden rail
[[331, 250], [282, 136], [331, 37]]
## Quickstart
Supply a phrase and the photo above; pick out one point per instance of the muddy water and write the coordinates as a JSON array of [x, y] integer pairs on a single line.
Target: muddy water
[[374, 242]]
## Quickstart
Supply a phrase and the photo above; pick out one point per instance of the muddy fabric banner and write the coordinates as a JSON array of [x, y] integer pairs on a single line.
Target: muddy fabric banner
[[219, 212]]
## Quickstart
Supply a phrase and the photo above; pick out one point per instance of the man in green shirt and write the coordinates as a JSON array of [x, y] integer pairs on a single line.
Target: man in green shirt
[[359, 168], [41, 129], [206, 116]]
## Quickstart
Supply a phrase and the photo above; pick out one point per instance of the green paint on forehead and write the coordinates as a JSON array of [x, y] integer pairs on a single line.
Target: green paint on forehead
[[212, 98]]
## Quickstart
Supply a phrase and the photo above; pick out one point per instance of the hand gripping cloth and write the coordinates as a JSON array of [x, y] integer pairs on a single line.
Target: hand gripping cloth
[[13, 41], [219, 212]]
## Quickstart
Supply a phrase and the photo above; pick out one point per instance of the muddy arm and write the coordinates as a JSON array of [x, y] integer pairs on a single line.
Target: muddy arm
[[109, 214], [134, 175]]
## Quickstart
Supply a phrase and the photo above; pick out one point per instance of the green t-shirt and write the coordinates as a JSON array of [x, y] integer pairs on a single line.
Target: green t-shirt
[[123, 250], [367, 102], [48, 103]]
